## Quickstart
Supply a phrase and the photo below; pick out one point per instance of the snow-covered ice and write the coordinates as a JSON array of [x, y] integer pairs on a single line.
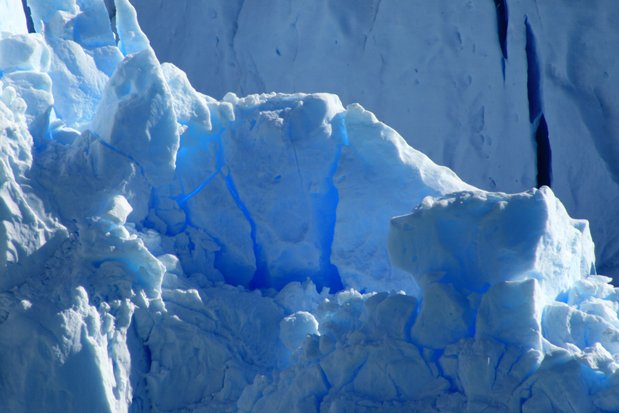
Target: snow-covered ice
[[163, 250]]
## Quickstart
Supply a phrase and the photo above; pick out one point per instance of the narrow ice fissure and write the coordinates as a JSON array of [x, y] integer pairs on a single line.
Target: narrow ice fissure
[[533, 75], [28, 15], [373, 23], [184, 198], [339, 121], [326, 205], [326, 211], [121, 153], [233, 40], [408, 326], [544, 154], [261, 276], [497, 364], [502, 18], [111, 12], [321, 396], [141, 364], [539, 127]]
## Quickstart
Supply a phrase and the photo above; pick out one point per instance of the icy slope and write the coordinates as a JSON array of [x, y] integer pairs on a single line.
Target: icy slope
[[467, 83], [167, 251]]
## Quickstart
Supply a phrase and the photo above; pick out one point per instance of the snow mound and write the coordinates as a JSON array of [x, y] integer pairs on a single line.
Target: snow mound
[[166, 251]]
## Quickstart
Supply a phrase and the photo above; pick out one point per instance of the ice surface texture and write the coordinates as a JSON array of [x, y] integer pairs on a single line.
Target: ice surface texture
[[469, 83], [166, 251]]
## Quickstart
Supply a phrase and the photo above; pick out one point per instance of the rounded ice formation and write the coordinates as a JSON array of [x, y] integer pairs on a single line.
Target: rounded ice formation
[[294, 328], [475, 240], [118, 210], [165, 251]]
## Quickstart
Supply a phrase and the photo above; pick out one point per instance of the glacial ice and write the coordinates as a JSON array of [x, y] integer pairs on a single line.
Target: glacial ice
[[166, 251], [470, 240], [465, 82], [13, 18]]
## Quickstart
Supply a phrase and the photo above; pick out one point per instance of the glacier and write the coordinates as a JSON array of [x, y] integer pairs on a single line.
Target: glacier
[[166, 251], [509, 94]]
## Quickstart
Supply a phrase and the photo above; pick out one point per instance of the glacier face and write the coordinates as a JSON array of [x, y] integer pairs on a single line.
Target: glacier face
[[470, 84], [167, 251]]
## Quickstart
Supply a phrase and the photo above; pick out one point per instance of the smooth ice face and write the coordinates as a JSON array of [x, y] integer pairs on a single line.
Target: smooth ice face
[[476, 240], [13, 17], [378, 175]]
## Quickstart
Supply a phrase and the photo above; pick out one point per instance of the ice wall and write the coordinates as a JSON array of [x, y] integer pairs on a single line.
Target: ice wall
[[168, 251], [506, 93], [13, 17]]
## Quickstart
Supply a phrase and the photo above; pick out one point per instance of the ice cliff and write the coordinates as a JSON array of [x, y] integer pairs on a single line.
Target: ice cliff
[[507, 93], [166, 251]]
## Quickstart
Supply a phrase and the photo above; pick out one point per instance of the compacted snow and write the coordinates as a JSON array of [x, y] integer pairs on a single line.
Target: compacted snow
[[162, 250]]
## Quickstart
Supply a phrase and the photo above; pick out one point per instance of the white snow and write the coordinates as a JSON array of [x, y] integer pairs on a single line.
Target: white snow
[[163, 250]]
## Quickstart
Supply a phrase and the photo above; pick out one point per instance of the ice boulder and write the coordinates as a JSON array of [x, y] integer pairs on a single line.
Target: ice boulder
[[118, 210], [475, 240], [295, 327]]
